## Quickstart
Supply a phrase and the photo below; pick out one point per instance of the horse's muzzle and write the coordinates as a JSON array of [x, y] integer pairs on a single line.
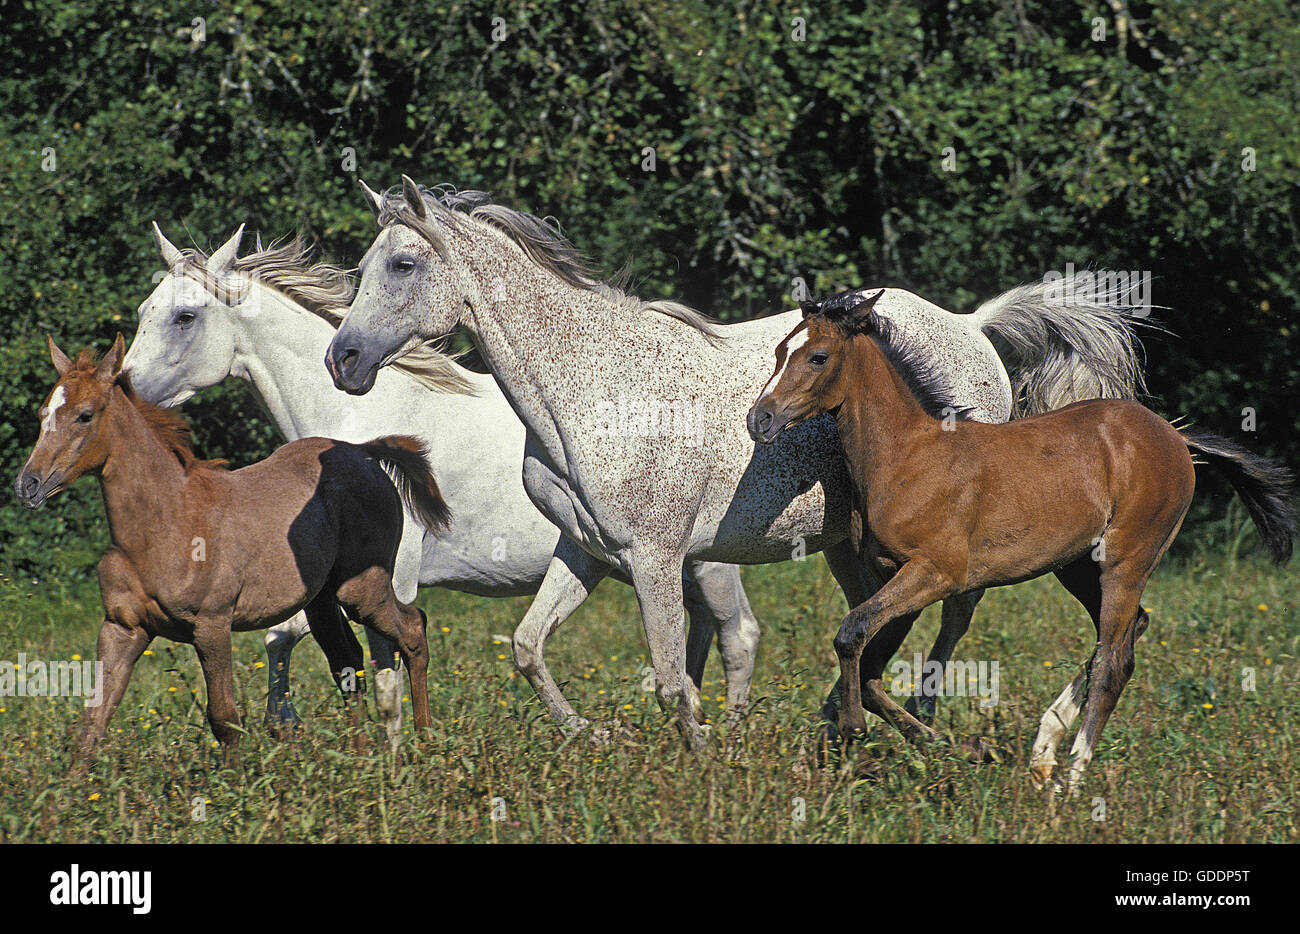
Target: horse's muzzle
[[348, 371], [30, 491], [762, 424]]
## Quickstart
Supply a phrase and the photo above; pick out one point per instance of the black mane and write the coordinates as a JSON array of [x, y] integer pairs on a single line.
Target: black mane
[[927, 382]]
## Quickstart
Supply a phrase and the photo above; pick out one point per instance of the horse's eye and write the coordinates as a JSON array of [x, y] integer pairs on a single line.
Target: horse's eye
[[185, 319], [819, 358], [402, 265], [86, 415]]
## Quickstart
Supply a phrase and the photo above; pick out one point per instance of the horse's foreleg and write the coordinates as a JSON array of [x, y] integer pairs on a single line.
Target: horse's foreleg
[[857, 584], [714, 592], [341, 648], [658, 583], [955, 620], [884, 620], [119, 648], [570, 578], [280, 641], [212, 643]]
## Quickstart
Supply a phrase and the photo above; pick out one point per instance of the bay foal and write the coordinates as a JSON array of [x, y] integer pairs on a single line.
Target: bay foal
[[1094, 492], [198, 551]]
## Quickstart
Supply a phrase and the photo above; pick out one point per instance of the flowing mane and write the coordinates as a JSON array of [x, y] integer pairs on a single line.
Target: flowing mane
[[324, 290], [168, 427], [927, 381], [540, 239]]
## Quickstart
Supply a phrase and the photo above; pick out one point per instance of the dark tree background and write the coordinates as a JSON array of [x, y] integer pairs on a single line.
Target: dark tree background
[[802, 140]]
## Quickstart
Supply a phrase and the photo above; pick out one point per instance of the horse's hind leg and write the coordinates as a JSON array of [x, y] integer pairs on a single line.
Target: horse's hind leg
[[280, 641], [368, 598], [341, 648], [1111, 666], [714, 593], [1082, 578], [955, 620]]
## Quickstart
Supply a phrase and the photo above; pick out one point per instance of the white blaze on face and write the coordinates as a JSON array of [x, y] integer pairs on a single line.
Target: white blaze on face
[[57, 398], [793, 343]]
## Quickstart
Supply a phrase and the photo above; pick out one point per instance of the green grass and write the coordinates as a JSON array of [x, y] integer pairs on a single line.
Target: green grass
[[1189, 756]]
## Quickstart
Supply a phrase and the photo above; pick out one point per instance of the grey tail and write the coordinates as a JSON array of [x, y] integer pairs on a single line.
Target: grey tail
[[1062, 343]]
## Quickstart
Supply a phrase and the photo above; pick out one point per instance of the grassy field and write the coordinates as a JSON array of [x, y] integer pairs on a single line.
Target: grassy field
[[1191, 755]]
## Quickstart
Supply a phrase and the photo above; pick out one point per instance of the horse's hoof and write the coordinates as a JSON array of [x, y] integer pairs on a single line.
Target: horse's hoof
[[977, 749], [1041, 775]]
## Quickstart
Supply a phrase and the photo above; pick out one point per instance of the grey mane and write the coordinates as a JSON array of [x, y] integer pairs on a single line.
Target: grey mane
[[324, 290], [540, 239]]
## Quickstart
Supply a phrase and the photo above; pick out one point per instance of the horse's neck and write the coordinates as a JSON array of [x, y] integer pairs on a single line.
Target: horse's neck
[[141, 480], [880, 417], [279, 351], [536, 334]]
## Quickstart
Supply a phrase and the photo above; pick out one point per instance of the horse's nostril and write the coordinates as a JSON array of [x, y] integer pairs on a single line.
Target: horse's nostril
[[27, 487], [764, 421], [348, 360]]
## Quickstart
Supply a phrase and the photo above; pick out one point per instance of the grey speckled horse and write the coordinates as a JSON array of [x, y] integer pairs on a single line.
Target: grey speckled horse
[[635, 412]]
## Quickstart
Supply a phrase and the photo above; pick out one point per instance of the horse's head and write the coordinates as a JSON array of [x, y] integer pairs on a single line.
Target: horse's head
[[810, 373], [187, 335], [413, 287], [72, 439]]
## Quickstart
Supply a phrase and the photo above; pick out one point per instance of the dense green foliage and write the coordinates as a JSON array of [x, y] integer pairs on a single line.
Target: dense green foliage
[[798, 141]]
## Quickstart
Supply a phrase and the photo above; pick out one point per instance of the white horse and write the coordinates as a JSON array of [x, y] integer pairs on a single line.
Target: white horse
[[268, 317], [571, 354]]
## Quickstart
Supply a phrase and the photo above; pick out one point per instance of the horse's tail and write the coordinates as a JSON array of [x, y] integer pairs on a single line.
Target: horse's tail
[[1264, 485], [1062, 343], [406, 458]]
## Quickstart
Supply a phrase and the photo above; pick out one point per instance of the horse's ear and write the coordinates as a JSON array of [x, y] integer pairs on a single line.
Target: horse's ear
[[372, 198], [62, 362], [221, 262], [860, 315], [411, 192], [171, 256], [111, 365], [810, 308]]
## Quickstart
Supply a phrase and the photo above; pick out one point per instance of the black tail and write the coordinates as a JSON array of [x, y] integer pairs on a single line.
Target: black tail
[[1264, 485], [412, 477]]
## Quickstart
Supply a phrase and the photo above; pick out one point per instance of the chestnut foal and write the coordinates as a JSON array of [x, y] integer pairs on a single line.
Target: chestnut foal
[[1094, 492], [199, 551]]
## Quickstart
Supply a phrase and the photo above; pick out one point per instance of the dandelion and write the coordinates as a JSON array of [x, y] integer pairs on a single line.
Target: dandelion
[[148, 651], [76, 658], [260, 665], [1263, 607], [94, 797], [1207, 706], [1047, 664], [500, 657], [171, 690], [446, 629]]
